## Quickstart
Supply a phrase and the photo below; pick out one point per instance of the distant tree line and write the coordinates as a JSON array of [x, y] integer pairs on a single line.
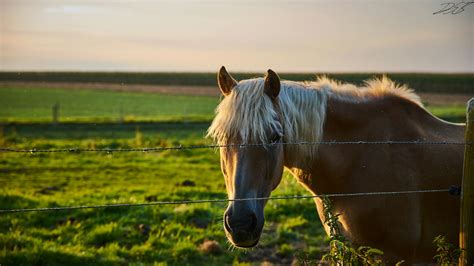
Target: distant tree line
[[421, 82]]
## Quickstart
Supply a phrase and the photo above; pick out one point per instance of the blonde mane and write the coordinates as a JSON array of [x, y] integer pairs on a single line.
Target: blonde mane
[[248, 115], [373, 88]]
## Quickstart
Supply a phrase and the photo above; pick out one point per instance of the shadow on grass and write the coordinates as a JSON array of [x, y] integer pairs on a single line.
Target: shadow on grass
[[50, 257], [8, 202], [104, 130]]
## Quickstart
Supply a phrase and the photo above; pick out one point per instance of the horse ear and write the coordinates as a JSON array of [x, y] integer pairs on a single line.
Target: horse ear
[[226, 81], [272, 84]]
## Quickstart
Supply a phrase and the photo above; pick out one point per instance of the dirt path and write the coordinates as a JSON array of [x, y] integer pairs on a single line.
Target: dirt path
[[430, 98], [165, 89]]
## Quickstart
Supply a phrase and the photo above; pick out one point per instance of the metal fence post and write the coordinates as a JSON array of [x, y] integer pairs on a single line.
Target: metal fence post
[[466, 234]]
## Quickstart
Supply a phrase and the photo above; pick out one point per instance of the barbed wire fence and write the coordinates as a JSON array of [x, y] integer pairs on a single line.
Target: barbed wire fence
[[215, 146], [465, 191], [453, 190]]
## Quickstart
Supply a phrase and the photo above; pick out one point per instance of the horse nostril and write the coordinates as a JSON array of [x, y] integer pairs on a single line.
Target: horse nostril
[[244, 223], [226, 223]]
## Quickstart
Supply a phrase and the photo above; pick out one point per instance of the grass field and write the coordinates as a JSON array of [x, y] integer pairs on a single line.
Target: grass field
[[168, 234], [21, 104], [28, 104], [174, 235]]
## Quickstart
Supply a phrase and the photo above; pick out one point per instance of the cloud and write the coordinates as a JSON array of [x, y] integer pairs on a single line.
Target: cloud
[[71, 9]]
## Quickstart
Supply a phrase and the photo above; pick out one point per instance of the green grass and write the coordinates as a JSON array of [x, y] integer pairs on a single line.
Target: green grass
[[23, 104], [149, 235], [158, 234], [35, 105], [452, 113]]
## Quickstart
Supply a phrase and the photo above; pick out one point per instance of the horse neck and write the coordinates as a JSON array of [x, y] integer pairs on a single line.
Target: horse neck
[[303, 110], [333, 111]]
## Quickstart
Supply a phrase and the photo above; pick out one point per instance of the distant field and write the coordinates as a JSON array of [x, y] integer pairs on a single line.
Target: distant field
[[23, 104], [421, 82]]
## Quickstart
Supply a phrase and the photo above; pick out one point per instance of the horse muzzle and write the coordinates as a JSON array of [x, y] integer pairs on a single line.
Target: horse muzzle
[[244, 230], [243, 239]]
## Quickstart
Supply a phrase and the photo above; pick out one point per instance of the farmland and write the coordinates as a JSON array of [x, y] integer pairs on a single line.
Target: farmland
[[421, 82], [34, 104], [171, 234]]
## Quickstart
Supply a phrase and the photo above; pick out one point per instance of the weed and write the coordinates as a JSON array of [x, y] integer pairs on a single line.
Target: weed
[[341, 251], [138, 137], [447, 253]]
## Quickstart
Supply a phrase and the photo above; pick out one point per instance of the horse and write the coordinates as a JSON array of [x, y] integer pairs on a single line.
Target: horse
[[273, 112]]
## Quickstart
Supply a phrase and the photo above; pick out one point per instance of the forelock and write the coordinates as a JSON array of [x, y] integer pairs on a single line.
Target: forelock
[[247, 114]]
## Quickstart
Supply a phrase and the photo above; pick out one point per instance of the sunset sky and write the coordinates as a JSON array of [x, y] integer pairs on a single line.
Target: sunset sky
[[331, 36]]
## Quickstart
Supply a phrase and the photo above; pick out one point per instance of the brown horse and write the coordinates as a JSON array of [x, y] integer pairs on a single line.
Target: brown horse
[[267, 110]]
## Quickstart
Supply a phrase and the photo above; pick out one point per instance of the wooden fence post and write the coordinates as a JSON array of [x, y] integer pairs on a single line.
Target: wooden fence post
[[121, 114], [466, 234], [55, 113]]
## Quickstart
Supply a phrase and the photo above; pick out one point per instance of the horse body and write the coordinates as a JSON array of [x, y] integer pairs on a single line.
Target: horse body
[[267, 110], [403, 226]]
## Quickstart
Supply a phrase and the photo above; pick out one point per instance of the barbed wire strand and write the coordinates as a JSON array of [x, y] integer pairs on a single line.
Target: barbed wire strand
[[65, 208], [214, 146]]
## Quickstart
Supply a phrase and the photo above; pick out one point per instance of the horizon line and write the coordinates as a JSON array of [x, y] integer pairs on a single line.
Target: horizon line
[[238, 71]]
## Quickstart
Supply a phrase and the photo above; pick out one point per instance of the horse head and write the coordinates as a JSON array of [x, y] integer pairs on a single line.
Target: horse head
[[248, 124]]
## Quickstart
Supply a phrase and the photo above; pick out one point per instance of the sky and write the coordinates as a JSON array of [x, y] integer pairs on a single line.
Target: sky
[[200, 36]]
